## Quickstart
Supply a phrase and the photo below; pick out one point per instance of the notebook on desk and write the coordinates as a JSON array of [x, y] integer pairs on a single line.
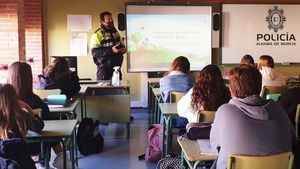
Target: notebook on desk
[[205, 147]]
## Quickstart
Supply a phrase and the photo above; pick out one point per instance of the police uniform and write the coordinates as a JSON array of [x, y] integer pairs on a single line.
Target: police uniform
[[102, 42]]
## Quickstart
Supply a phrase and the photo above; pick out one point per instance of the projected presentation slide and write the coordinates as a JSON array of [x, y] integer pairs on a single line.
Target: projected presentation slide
[[155, 38]]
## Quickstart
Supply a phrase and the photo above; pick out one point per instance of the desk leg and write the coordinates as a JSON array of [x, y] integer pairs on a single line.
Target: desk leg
[[182, 160], [42, 150], [163, 136], [64, 154], [72, 150], [155, 111], [84, 106], [128, 129], [169, 123], [81, 107], [75, 144], [47, 159], [158, 111], [196, 164]]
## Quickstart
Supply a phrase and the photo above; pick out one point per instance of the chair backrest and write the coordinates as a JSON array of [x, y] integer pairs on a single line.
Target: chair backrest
[[44, 93], [276, 161], [206, 116], [274, 96], [297, 122], [176, 96], [272, 90], [38, 111]]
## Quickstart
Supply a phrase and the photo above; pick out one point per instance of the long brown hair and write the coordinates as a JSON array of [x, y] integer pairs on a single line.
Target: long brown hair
[[209, 92], [59, 68], [11, 115], [181, 64], [20, 77]]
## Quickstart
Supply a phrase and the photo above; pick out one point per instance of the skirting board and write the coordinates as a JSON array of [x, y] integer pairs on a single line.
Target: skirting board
[[138, 104]]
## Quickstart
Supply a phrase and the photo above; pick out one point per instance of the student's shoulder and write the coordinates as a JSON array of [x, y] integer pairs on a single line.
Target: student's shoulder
[[226, 109]]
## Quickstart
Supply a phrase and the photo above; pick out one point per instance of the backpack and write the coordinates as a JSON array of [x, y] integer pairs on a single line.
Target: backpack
[[89, 140], [154, 143], [14, 154], [198, 130], [8, 164], [169, 162]]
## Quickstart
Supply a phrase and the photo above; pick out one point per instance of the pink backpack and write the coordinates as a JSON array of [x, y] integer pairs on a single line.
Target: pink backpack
[[154, 143]]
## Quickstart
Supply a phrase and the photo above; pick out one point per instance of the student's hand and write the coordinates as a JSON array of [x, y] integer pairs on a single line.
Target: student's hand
[[26, 107], [115, 48], [123, 50]]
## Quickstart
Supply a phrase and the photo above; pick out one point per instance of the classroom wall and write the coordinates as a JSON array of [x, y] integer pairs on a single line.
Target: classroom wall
[[57, 37]]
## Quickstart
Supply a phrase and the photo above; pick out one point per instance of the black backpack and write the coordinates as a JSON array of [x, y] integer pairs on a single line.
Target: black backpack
[[89, 140]]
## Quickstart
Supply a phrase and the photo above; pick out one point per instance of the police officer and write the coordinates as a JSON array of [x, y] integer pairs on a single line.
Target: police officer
[[107, 47]]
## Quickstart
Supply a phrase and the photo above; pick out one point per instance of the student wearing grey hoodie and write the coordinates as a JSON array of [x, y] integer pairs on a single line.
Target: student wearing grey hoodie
[[249, 124]]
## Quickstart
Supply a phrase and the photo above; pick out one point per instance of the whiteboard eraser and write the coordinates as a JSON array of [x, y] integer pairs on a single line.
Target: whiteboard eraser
[[285, 63]]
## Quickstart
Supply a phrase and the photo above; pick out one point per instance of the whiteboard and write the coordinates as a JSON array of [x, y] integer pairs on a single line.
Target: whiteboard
[[157, 34], [259, 29]]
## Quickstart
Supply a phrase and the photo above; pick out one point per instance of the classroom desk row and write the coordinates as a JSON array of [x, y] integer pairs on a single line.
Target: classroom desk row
[[56, 131], [106, 103], [192, 154]]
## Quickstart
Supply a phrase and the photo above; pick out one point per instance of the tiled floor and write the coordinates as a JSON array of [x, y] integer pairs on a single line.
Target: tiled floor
[[120, 152]]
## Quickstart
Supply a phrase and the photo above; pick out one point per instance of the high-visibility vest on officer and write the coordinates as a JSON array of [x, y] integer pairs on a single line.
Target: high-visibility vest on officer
[[107, 47]]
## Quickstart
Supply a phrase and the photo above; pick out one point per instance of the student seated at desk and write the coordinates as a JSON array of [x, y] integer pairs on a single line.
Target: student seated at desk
[[249, 124], [59, 76], [20, 76], [247, 60], [16, 118], [289, 101], [177, 79], [270, 77], [208, 93]]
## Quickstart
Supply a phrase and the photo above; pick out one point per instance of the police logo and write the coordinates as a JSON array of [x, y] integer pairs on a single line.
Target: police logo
[[275, 18]]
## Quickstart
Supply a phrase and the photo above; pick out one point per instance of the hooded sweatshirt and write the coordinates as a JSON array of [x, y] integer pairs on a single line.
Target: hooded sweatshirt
[[250, 126], [270, 77]]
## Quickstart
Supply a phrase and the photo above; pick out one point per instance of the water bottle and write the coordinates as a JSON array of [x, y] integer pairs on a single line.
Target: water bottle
[[115, 80]]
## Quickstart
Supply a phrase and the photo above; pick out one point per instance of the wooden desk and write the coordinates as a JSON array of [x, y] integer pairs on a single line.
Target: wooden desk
[[56, 130], [191, 153], [69, 108], [168, 111], [109, 104]]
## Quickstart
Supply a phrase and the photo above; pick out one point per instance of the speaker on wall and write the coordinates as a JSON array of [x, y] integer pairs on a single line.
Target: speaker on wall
[[121, 21], [216, 30]]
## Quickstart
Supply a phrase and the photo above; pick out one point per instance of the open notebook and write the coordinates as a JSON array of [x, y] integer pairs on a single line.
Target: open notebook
[[205, 147]]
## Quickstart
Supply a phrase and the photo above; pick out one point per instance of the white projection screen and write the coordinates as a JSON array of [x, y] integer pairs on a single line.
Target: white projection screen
[[258, 29], [156, 34]]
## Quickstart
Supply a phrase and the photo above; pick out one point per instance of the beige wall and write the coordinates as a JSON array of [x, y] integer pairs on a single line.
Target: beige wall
[[58, 38]]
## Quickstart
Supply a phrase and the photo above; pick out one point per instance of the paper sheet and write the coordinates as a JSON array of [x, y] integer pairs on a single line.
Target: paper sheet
[[205, 147]]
